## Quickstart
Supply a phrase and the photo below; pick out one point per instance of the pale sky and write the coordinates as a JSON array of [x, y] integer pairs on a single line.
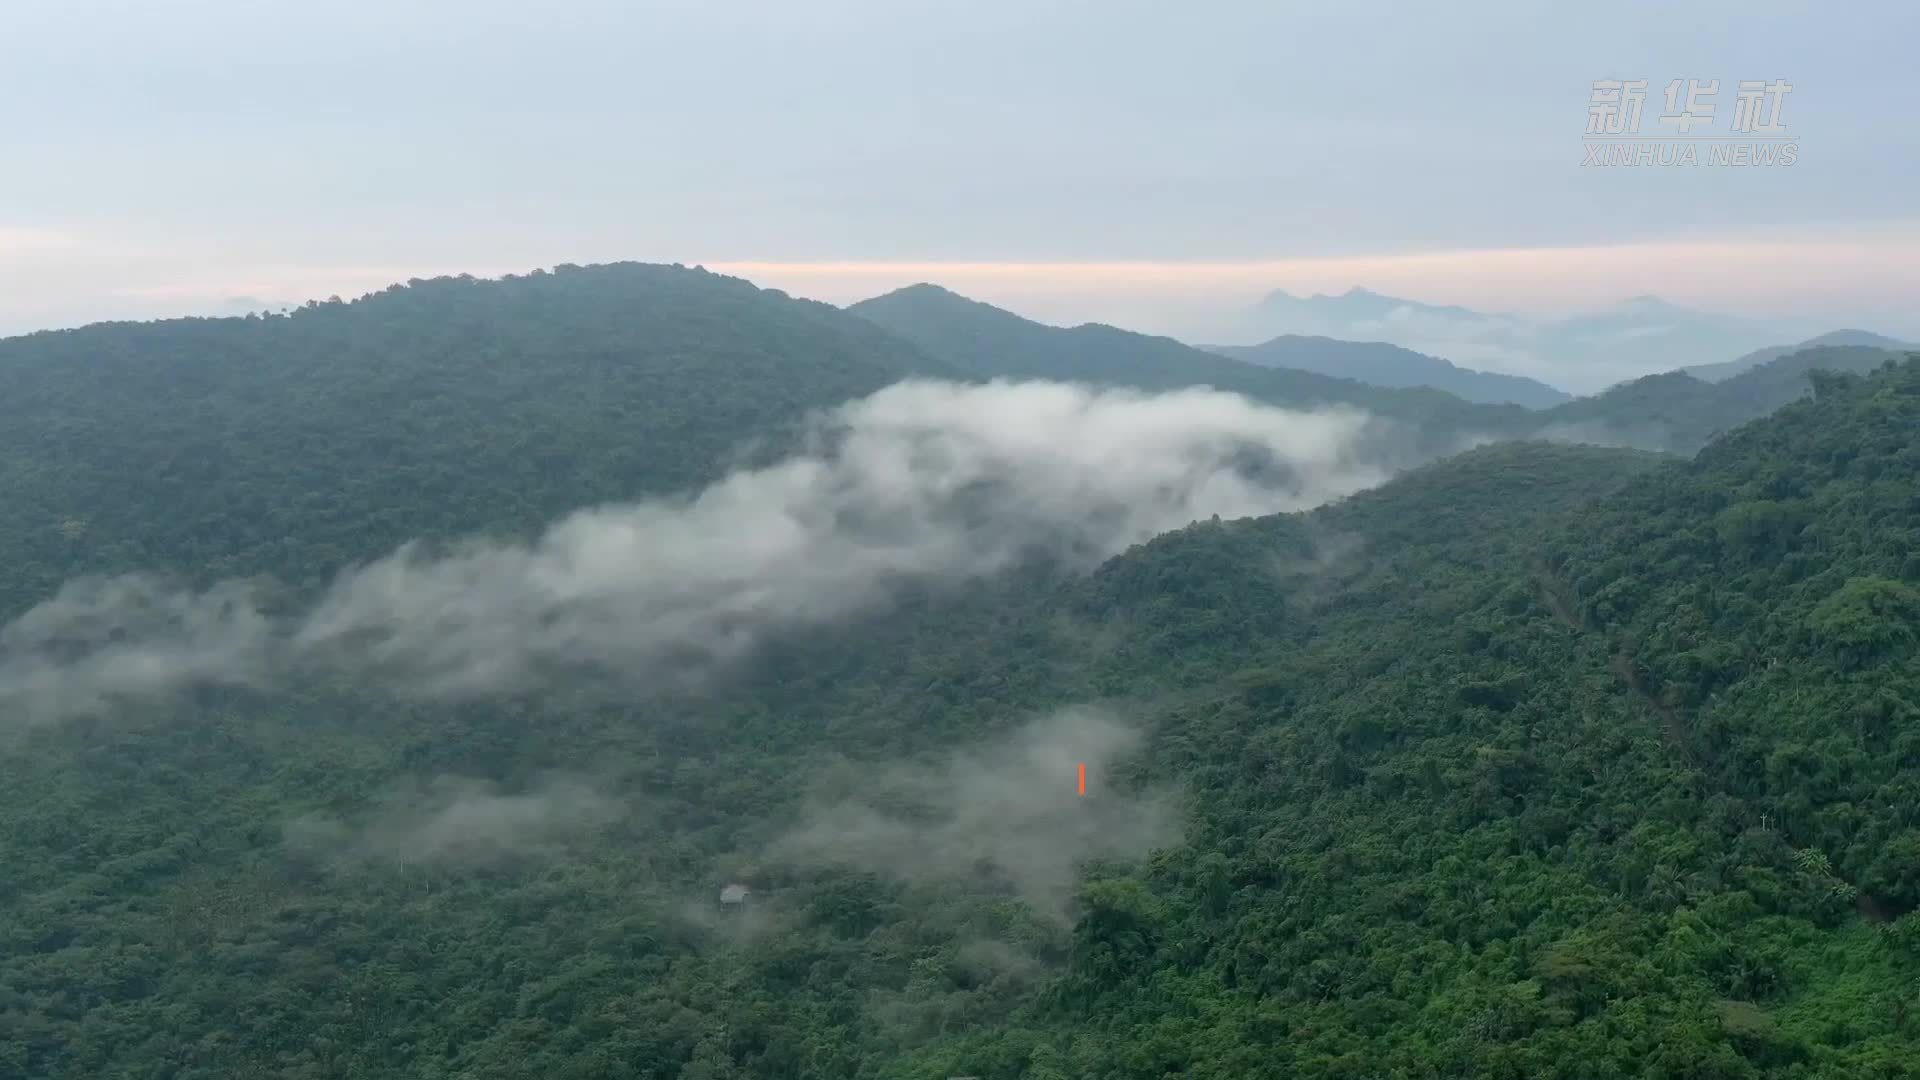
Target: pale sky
[[1121, 160]]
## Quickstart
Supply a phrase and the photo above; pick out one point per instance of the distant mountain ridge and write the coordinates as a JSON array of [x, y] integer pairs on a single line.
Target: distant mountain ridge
[[1384, 364], [1675, 410], [1363, 303], [1728, 369], [993, 343], [1672, 411], [1637, 336]]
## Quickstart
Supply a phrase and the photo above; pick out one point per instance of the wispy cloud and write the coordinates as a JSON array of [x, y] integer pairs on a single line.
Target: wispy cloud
[[455, 822], [1010, 813], [920, 482]]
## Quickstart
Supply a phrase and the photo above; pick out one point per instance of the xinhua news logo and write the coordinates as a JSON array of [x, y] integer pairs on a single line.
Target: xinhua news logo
[[1689, 134]]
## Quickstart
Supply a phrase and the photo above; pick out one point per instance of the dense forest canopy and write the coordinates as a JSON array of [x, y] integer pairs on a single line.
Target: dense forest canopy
[[1536, 759], [294, 443]]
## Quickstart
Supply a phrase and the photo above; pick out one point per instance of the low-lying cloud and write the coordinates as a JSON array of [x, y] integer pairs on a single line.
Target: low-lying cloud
[[98, 641], [1010, 814], [455, 822], [922, 481]]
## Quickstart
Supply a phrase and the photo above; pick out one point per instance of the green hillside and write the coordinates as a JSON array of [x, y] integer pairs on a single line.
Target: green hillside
[[1726, 369], [1635, 797], [1538, 760], [293, 444], [1676, 411]]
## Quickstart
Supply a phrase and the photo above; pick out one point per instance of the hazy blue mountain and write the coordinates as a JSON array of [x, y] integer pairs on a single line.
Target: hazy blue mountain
[[1672, 412], [989, 342], [1638, 335], [1646, 332], [1729, 368], [1357, 304], [1364, 315], [1383, 364]]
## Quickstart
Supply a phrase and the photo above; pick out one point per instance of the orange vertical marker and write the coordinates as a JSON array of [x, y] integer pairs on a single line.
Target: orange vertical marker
[[1083, 778]]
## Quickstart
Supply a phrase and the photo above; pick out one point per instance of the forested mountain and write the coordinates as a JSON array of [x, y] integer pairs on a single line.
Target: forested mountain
[[453, 406], [1381, 364], [1671, 412], [1729, 368], [1675, 411], [291, 444], [1537, 760], [1632, 796], [988, 341]]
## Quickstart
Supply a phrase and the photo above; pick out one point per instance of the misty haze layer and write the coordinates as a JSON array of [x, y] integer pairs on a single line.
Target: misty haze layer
[[455, 822], [1012, 810], [922, 481]]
